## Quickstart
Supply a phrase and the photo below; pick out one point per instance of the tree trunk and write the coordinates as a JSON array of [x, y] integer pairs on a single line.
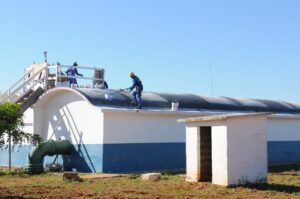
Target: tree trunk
[[9, 152]]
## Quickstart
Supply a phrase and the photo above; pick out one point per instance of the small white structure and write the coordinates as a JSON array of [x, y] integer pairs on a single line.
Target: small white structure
[[227, 149]]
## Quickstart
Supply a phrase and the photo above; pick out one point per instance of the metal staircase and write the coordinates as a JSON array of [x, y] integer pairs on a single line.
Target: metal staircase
[[28, 88], [37, 80]]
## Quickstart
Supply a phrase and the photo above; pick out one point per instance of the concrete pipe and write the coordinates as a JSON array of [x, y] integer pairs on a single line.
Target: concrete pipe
[[36, 156]]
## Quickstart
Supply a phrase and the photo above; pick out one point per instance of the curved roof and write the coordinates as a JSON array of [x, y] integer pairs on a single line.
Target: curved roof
[[110, 97]]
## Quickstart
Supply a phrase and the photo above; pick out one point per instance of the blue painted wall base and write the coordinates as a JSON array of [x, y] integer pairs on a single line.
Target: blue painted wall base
[[115, 158], [18, 156], [124, 158], [283, 152]]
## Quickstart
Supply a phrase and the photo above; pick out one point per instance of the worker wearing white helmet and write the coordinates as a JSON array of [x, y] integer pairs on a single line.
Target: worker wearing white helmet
[[137, 93]]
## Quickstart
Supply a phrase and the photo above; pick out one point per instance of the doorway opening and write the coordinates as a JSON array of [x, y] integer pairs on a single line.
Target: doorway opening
[[205, 154]]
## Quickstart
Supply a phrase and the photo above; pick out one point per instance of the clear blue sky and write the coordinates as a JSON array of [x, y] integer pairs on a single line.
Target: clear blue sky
[[253, 45]]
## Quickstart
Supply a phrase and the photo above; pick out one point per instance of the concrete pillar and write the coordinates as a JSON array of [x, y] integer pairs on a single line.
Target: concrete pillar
[[219, 155], [193, 154]]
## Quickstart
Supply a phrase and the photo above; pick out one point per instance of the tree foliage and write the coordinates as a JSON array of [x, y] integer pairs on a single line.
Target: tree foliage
[[11, 123]]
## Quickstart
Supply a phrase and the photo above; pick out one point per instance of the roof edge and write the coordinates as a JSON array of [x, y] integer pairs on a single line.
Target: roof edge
[[221, 117]]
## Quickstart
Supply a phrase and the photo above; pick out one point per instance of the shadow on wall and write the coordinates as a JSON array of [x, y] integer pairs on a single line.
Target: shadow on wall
[[77, 161], [83, 157]]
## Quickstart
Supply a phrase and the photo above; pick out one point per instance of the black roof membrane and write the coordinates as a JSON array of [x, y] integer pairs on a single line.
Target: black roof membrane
[[110, 98]]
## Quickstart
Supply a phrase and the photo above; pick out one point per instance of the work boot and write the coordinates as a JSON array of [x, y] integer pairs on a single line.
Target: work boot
[[133, 103]]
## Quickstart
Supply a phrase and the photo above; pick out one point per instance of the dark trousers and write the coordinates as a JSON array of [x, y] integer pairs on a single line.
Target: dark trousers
[[137, 96]]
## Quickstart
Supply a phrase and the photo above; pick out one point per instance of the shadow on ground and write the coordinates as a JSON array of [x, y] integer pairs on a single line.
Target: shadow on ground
[[273, 187], [278, 169]]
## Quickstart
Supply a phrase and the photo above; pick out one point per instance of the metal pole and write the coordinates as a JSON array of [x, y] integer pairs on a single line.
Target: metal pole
[[45, 56], [59, 73], [94, 76], [8, 94], [33, 74], [46, 78], [56, 78], [24, 79]]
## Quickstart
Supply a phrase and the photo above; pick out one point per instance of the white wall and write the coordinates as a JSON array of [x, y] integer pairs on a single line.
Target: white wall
[[219, 155], [143, 127], [192, 154], [247, 149], [69, 116], [280, 129], [28, 121]]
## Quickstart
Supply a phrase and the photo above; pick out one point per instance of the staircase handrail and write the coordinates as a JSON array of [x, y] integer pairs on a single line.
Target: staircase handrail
[[22, 78], [24, 83], [10, 91]]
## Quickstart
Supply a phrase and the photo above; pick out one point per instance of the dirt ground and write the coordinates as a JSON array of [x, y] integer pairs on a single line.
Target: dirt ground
[[284, 182]]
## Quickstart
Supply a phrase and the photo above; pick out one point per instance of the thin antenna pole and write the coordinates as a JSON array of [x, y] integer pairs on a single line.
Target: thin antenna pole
[[211, 78], [45, 56]]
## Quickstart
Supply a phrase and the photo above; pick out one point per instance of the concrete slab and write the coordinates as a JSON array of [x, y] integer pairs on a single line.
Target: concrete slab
[[101, 175], [151, 176]]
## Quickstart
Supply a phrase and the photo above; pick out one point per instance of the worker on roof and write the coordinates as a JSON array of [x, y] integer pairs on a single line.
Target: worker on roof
[[105, 85], [137, 86], [72, 72]]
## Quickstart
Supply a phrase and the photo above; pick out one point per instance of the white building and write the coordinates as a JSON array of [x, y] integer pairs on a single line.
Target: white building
[[108, 135]]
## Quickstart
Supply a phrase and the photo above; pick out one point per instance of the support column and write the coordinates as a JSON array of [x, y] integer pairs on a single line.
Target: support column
[[219, 155], [192, 154]]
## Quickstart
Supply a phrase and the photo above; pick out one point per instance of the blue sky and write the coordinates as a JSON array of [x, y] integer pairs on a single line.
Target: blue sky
[[253, 46]]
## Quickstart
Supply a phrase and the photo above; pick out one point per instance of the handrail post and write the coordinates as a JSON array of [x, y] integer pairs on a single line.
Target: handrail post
[[94, 77], [46, 78], [8, 95], [103, 75], [24, 78], [59, 73], [33, 75], [56, 76]]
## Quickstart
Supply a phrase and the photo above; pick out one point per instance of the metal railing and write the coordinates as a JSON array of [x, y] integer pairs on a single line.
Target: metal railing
[[51, 76], [27, 82], [89, 74]]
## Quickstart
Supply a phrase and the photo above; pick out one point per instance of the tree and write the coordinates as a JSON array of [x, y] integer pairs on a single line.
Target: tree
[[11, 123]]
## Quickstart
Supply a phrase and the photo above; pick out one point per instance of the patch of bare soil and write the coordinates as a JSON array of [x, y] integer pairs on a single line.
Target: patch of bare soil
[[102, 175]]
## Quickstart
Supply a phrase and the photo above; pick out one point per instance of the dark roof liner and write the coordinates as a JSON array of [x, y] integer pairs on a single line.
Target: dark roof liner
[[188, 101]]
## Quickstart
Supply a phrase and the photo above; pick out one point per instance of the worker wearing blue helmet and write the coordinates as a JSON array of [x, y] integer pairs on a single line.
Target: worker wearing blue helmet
[[137, 93]]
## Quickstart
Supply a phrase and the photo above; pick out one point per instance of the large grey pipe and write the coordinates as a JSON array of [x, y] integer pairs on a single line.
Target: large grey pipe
[[38, 153]]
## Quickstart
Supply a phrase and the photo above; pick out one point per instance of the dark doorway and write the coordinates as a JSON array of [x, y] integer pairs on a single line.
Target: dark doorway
[[205, 154]]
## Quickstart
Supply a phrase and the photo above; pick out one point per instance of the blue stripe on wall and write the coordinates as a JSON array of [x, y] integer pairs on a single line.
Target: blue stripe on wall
[[139, 157], [18, 156], [283, 152], [83, 158], [112, 157], [143, 157]]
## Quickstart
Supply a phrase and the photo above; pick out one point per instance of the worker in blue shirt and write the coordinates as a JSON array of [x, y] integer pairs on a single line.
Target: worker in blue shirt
[[71, 72], [105, 85], [137, 93]]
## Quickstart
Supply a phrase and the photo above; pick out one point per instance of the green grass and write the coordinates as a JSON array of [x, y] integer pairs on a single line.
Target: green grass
[[284, 182]]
